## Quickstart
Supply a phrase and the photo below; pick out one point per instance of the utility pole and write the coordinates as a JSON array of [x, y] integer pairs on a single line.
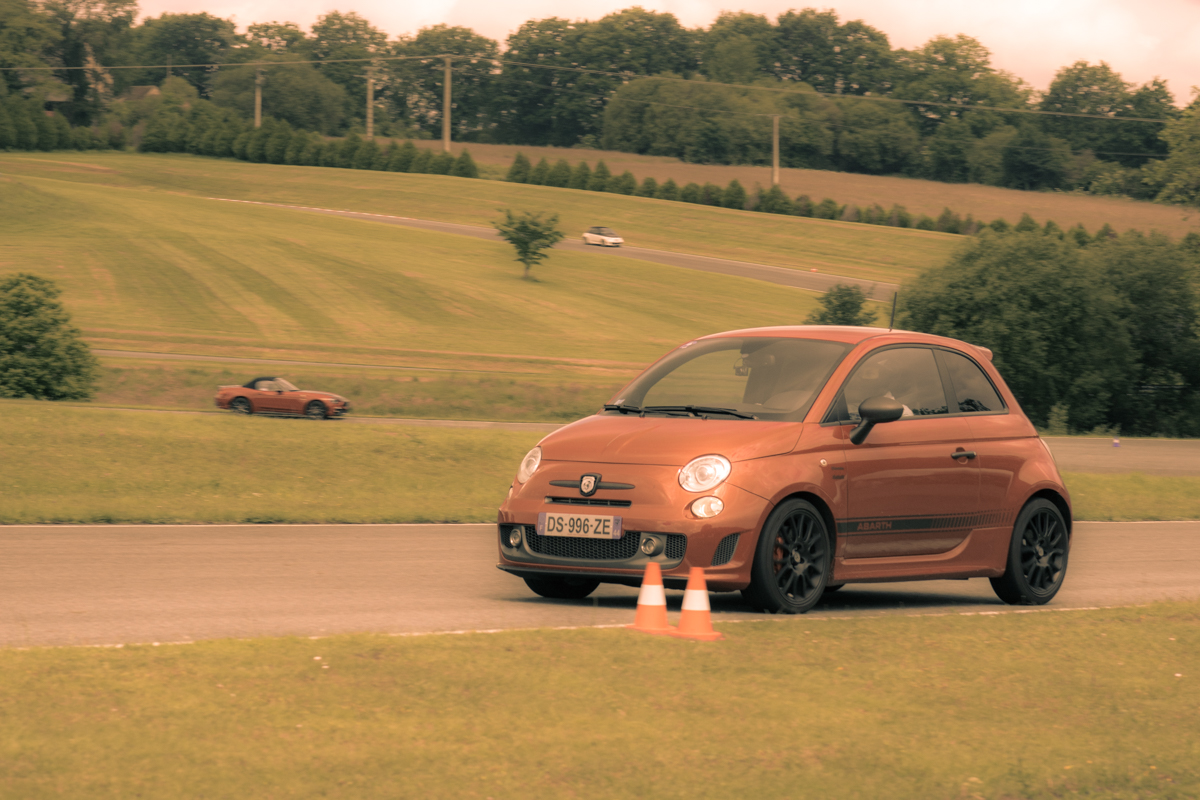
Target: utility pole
[[775, 150], [446, 107], [370, 102], [258, 83]]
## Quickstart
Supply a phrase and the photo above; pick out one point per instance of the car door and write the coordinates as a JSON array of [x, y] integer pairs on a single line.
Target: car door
[[267, 397], [907, 494]]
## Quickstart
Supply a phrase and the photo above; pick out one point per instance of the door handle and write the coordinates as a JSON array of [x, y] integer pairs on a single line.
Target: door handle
[[963, 454]]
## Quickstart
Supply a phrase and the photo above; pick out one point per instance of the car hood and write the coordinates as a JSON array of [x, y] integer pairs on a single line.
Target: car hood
[[667, 441]]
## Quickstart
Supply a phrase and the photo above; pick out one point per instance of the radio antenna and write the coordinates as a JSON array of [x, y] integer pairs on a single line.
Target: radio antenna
[[892, 322]]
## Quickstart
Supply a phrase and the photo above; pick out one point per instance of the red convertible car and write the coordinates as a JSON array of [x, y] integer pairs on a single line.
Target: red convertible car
[[278, 396]]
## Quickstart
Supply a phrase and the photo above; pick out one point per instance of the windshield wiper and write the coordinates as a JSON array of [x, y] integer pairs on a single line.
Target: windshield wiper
[[702, 410], [624, 409]]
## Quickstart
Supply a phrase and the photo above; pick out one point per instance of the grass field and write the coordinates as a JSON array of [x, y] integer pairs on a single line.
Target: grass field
[[1100, 703], [94, 465], [841, 248], [148, 270], [919, 196]]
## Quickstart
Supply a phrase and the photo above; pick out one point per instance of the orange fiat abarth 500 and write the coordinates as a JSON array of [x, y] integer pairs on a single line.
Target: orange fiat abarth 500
[[788, 462]]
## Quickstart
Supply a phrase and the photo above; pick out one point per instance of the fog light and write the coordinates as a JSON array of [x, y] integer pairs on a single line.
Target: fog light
[[651, 545], [514, 536], [707, 507]]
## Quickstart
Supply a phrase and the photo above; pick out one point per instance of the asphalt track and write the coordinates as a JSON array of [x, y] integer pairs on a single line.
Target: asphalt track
[[783, 276], [104, 585]]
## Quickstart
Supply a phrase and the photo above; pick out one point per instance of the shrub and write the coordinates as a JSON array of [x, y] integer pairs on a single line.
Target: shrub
[[581, 176], [826, 209], [517, 173], [667, 190], [948, 222], [734, 196], [559, 175], [773, 201], [600, 176], [464, 166], [1079, 235], [41, 354], [899, 217], [925, 223], [691, 193], [841, 305], [649, 188], [1026, 225], [1000, 225], [711, 194], [804, 206], [624, 183], [1051, 229], [850, 213], [382, 154], [441, 164], [365, 155], [420, 161], [402, 157]]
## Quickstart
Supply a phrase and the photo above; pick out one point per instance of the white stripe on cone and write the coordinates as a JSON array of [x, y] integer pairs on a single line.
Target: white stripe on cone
[[695, 600], [652, 595]]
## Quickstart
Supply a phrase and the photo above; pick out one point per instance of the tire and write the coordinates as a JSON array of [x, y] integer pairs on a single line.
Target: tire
[[315, 410], [562, 588], [240, 405], [1037, 556], [792, 561]]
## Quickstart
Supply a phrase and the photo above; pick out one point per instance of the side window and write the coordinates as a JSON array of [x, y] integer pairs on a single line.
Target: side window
[[973, 391], [908, 374]]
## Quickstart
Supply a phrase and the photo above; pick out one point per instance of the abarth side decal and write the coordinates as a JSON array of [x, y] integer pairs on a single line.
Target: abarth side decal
[[875, 526]]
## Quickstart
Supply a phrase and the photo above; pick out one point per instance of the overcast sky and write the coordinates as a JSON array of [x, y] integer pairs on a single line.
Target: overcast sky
[[1141, 39]]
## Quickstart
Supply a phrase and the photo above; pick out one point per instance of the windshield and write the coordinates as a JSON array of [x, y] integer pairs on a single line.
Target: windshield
[[770, 378], [283, 385], [606, 232]]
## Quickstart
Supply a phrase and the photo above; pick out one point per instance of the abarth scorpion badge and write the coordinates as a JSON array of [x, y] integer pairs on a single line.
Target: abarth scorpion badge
[[588, 484]]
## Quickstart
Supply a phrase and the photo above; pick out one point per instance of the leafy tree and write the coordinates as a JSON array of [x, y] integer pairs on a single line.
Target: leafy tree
[[1179, 173], [519, 171], [877, 139], [1027, 224], [278, 37], [364, 157], [711, 194], [773, 201], [531, 235], [296, 93], [581, 176], [850, 213], [950, 150], [539, 174], [948, 222], [804, 206], [382, 154], [41, 354], [441, 164], [184, 39], [691, 193], [734, 195], [464, 166], [739, 47], [90, 33], [1035, 160], [420, 160], [842, 305], [898, 217], [833, 57], [648, 188], [827, 209], [278, 142], [1055, 328], [473, 82], [559, 175], [337, 37]]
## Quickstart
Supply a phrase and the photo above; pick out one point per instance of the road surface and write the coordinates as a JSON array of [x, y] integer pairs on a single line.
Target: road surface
[[783, 276], [76, 585]]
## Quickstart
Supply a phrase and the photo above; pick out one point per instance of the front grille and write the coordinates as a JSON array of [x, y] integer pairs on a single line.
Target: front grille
[[725, 550], [621, 549], [588, 549], [588, 501]]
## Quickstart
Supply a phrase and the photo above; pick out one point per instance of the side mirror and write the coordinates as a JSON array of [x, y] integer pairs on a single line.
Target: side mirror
[[874, 410]]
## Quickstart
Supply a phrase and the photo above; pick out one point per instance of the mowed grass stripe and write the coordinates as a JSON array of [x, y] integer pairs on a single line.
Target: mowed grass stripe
[[144, 266], [862, 251], [94, 465]]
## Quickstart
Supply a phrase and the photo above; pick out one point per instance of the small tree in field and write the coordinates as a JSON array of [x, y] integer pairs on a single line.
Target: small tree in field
[[41, 355], [842, 305], [530, 235]]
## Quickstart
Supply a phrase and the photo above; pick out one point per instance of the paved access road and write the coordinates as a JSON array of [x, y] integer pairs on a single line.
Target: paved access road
[[70, 585], [783, 276]]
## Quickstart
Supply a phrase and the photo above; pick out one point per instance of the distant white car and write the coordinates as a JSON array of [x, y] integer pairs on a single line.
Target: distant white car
[[605, 237]]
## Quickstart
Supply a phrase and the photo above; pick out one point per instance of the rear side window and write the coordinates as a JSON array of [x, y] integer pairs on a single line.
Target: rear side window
[[907, 374], [973, 392]]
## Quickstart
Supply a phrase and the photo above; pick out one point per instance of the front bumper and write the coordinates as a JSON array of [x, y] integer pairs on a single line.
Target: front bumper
[[657, 506]]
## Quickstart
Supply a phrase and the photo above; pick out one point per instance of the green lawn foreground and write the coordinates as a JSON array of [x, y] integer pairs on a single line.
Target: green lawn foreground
[[75, 464], [1086, 703]]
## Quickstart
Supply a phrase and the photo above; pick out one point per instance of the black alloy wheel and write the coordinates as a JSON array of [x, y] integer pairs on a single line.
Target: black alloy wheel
[[792, 562], [240, 405], [315, 410], [562, 588], [1037, 556]]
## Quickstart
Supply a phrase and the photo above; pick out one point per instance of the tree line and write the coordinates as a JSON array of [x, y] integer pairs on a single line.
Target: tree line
[[637, 81]]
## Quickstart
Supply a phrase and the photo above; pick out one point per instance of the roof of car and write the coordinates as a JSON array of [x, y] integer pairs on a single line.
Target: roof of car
[[851, 334], [250, 384]]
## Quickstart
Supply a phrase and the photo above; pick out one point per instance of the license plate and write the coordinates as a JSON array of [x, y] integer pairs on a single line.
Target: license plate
[[580, 526]]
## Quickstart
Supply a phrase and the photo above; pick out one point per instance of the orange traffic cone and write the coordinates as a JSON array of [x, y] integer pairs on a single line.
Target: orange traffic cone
[[652, 603], [696, 620]]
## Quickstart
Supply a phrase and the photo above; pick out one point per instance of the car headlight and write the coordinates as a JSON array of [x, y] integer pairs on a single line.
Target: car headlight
[[704, 473], [529, 464]]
